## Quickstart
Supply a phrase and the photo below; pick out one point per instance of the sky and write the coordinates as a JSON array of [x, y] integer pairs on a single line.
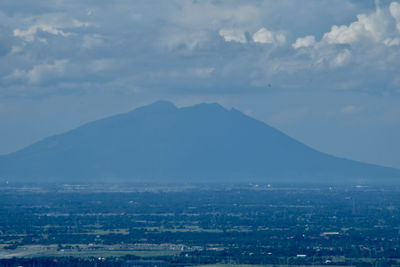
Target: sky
[[326, 72]]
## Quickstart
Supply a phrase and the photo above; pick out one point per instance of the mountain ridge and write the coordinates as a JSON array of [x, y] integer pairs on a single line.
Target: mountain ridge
[[163, 143]]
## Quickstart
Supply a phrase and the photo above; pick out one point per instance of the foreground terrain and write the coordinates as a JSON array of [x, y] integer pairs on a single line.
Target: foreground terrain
[[142, 225]]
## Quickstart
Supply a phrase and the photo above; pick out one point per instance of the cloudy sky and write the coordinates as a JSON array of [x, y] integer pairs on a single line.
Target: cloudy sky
[[326, 72]]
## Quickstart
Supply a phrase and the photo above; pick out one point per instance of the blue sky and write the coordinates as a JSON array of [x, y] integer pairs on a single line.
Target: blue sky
[[326, 72]]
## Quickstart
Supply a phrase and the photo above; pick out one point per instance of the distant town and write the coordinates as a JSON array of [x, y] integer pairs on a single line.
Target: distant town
[[191, 225]]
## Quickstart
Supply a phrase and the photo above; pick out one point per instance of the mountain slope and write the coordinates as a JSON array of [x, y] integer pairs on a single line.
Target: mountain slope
[[162, 143]]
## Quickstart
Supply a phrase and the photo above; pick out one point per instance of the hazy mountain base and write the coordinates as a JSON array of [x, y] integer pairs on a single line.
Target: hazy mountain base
[[162, 143]]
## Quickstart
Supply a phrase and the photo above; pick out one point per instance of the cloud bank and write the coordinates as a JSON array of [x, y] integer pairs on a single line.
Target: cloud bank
[[198, 46]]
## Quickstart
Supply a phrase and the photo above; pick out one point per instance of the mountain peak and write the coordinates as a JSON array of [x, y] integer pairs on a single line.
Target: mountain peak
[[208, 107], [160, 105]]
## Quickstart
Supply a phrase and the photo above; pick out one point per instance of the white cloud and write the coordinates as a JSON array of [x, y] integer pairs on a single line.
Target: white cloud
[[191, 34], [264, 36], [29, 34], [80, 24], [40, 72], [394, 9], [233, 35], [307, 41], [370, 27], [392, 41], [342, 58], [374, 27], [43, 71], [369, 42]]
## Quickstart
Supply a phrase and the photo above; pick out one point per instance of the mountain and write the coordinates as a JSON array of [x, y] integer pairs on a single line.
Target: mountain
[[163, 143]]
